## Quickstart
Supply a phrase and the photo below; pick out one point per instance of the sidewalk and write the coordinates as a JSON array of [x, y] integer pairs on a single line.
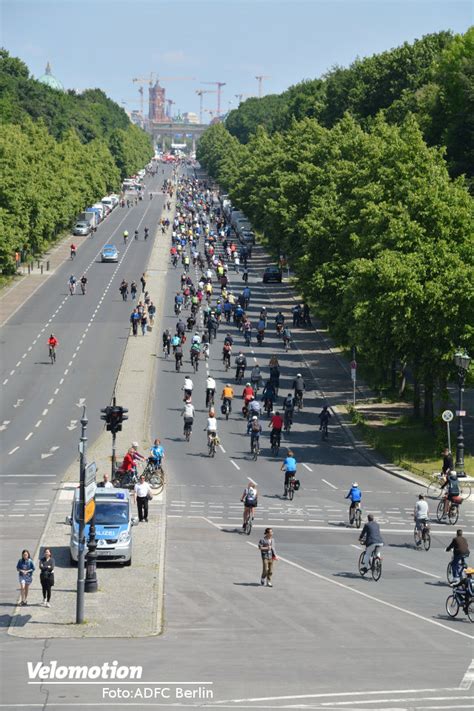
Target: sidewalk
[[144, 580]]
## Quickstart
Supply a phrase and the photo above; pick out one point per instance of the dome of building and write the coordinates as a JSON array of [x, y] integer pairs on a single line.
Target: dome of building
[[50, 80]]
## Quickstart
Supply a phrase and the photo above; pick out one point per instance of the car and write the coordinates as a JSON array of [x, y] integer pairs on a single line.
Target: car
[[113, 526], [272, 274], [109, 253], [81, 228]]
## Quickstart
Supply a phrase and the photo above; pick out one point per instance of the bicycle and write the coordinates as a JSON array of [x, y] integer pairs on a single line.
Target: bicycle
[[83, 288], [275, 439], [52, 354], [249, 523], [178, 364], [453, 512], [355, 514], [449, 571], [154, 475], [188, 428], [195, 360], [292, 487], [422, 536], [299, 399], [212, 444], [255, 448], [434, 487], [225, 409], [286, 343], [72, 288], [324, 431], [287, 420], [460, 598], [375, 564]]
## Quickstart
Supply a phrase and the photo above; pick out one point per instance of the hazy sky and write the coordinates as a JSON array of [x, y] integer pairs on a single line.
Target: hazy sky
[[105, 43]]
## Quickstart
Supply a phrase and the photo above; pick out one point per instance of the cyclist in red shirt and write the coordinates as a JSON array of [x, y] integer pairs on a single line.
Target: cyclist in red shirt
[[52, 341], [128, 463], [276, 423], [248, 393]]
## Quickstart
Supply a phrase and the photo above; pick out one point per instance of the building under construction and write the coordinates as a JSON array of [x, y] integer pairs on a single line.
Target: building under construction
[[157, 104]]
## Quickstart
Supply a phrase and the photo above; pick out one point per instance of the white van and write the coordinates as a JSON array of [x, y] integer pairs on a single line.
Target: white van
[[101, 208]]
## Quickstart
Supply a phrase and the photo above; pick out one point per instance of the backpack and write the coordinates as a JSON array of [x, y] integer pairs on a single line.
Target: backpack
[[251, 498], [255, 426]]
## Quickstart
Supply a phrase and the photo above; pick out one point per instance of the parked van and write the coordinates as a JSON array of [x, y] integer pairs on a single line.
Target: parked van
[[113, 526], [101, 208], [108, 202]]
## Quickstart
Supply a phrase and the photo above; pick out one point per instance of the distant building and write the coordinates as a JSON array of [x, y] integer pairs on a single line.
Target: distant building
[[156, 110], [50, 80], [190, 117]]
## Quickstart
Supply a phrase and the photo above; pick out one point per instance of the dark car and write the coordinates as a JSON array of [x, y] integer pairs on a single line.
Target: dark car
[[272, 274]]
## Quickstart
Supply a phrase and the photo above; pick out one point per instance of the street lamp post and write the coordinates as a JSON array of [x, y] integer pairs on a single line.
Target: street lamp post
[[462, 361], [81, 541]]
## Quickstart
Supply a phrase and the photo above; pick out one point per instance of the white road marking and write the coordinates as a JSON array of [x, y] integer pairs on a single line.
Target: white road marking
[[61, 381], [4, 425], [13, 450], [28, 436], [359, 548], [468, 677], [18, 402], [329, 484], [56, 391], [306, 467], [50, 402], [221, 448], [38, 423], [69, 365], [385, 603], [5, 381], [417, 570], [45, 412], [235, 465], [12, 372], [18, 364], [66, 372]]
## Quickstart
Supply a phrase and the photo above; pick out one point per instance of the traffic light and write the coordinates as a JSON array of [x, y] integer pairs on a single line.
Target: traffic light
[[114, 416], [106, 415]]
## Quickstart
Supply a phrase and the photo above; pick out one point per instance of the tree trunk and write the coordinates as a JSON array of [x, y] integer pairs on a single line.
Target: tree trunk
[[416, 397], [393, 374], [403, 380], [428, 410]]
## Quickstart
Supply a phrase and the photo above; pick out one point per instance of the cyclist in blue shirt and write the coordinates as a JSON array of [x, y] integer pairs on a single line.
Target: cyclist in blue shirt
[[355, 495], [289, 467], [157, 453]]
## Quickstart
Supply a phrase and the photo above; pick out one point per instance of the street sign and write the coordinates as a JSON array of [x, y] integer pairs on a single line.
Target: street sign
[[90, 491], [353, 365], [447, 416], [91, 471], [460, 413], [89, 510]]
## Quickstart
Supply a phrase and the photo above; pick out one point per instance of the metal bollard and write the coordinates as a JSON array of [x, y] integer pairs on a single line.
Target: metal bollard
[[29, 268], [41, 267], [38, 264], [47, 266]]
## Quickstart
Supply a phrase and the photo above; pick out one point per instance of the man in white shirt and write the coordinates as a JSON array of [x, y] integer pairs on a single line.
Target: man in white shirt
[[106, 483], [140, 494], [188, 387], [210, 391], [196, 338], [420, 514], [188, 414]]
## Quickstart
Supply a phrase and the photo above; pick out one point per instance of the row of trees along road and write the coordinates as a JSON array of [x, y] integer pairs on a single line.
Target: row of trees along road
[[59, 152], [378, 233]]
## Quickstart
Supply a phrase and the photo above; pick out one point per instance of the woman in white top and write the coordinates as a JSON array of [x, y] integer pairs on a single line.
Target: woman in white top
[[211, 425]]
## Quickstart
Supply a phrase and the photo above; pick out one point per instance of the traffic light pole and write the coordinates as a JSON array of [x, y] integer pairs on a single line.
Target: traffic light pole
[[81, 540], [114, 456]]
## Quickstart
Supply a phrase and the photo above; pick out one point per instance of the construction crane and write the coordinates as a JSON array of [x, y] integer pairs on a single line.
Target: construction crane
[[260, 79], [219, 85], [242, 96], [212, 112], [150, 81], [200, 93], [170, 103]]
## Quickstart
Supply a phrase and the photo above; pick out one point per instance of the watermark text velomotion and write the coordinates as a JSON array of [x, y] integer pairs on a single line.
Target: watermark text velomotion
[[39, 673]]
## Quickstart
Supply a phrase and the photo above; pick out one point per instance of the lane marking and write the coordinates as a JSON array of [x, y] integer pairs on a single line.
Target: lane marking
[[45, 412], [235, 465], [403, 610], [337, 694], [56, 391], [13, 450], [50, 402], [417, 570], [221, 448], [468, 677], [329, 484], [38, 423], [28, 436], [308, 468]]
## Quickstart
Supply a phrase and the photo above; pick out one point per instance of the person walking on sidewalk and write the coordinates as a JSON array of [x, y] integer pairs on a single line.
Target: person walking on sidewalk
[[144, 323], [143, 281], [133, 290], [124, 289], [46, 565], [25, 568], [142, 494], [134, 320], [267, 551]]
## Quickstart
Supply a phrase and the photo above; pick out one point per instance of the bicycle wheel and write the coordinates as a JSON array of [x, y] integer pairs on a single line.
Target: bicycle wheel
[[465, 490], [470, 611], [440, 511], [187, 434], [452, 606], [449, 573], [361, 559], [417, 537], [453, 515], [376, 568], [291, 493], [433, 489], [255, 452], [426, 540], [248, 526], [358, 518]]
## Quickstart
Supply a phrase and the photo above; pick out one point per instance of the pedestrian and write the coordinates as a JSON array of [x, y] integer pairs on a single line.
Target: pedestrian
[[133, 290], [124, 289], [106, 483], [143, 323], [134, 319], [268, 554], [143, 281], [46, 565], [142, 495], [25, 568], [151, 312], [236, 262]]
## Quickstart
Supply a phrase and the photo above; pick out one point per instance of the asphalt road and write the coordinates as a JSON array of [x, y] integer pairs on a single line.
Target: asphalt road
[[41, 404], [322, 637]]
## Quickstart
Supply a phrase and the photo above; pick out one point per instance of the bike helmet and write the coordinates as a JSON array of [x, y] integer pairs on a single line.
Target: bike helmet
[[453, 474], [247, 385], [228, 385], [255, 417], [355, 484], [299, 375], [135, 445]]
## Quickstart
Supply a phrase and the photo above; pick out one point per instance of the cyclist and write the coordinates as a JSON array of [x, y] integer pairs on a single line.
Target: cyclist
[[255, 377], [299, 387], [279, 322], [453, 490], [210, 390], [268, 396], [289, 467], [83, 283], [324, 417], [135, 234], [355, 495], [296, 310], [370, 537], [286, 336], [247, 331], [146, 233], [125, 236], [227, 396], [226, 353], [460, 548], [73, 250], [195, 354], [187, 387], [211, 426], [448, 464], [188, 414], [181, 329], [420, 514], [72, 284], [288, 409], [276, 424], [178, 303], [166, 342], [178, 354], [254, 407], [249, 499], [246, 293], [52, 343], [255, 430], [240, 366], [229, 340], [157, 453]]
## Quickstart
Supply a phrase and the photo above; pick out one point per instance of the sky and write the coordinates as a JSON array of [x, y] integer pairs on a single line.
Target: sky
[[106, 43]]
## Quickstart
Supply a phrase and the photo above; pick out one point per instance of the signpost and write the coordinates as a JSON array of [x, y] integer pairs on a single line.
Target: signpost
[[354, 380], [91, 584], [447, 416]]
